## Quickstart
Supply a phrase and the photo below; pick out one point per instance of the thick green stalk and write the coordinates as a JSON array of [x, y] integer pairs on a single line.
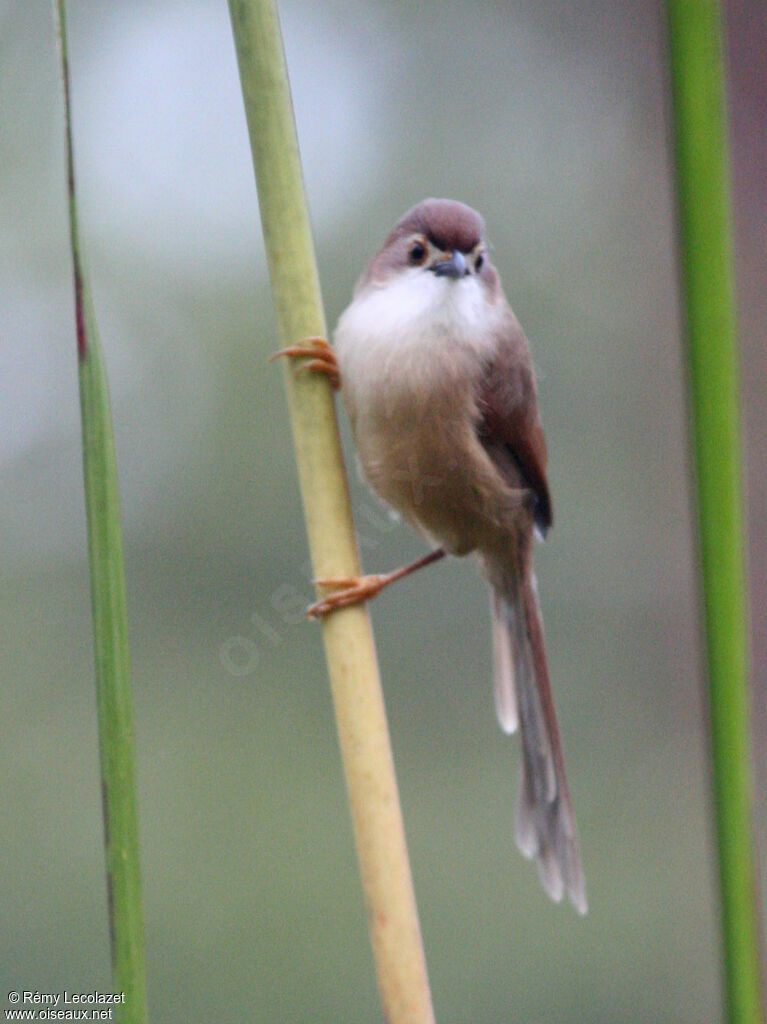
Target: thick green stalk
[[701, 148], [110, 625], [355, 683]]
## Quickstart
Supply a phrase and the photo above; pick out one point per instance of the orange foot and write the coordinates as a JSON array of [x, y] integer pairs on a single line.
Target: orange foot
[[319, 355], [353, 589]]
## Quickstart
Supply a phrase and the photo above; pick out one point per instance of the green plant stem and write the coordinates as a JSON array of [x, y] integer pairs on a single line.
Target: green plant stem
[[352, 666], [701, 149], [110, 625]]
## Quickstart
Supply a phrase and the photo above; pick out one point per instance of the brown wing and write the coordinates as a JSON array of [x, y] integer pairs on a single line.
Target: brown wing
[[510, 421]]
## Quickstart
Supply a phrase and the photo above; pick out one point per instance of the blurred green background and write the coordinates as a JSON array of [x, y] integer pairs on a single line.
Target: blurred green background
[[551, 119]]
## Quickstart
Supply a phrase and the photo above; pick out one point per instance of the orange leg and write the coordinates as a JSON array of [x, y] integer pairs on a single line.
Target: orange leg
[[319, 356], [354, 589]]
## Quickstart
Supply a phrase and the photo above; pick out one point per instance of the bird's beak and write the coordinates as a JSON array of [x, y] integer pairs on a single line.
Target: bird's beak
[[453, 266]]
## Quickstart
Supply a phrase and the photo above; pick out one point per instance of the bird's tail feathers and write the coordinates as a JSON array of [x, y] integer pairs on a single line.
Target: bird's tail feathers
[[546, 827]]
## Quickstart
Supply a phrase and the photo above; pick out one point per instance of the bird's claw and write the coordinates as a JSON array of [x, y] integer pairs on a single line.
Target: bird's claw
[[350, 590], [319, 357]]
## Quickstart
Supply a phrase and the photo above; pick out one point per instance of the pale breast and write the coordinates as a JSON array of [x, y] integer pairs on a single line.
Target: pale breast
[[411, 357]]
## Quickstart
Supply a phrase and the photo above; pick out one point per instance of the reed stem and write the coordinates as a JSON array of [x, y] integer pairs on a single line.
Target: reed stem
[[110, 621], [705, 238], [349, 648]]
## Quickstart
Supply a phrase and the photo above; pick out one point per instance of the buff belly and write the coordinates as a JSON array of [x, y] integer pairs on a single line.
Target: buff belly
[[421, 454]]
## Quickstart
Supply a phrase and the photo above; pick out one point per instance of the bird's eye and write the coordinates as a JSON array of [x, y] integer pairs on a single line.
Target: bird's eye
[[417, 253], [479, 262]]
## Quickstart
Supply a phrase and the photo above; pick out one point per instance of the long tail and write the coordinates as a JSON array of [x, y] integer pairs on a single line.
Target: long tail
[[545, 820]]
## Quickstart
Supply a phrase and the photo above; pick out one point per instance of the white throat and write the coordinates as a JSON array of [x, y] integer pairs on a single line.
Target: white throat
[[407, 311], [413, 336]]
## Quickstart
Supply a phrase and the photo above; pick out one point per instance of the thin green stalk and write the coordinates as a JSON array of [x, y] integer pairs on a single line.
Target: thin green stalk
[[352, 666], [701, 148], [110, 625]]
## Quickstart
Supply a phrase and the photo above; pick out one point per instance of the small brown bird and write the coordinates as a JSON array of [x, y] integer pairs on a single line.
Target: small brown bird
[[439, 387]]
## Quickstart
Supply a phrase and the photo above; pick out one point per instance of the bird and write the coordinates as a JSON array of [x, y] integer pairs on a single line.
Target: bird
[[438, 383]]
